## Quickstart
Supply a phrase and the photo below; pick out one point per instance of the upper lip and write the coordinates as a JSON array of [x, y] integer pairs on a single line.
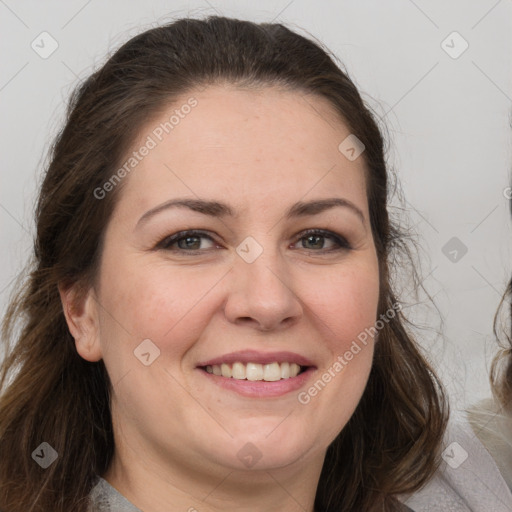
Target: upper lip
[[254, 356]]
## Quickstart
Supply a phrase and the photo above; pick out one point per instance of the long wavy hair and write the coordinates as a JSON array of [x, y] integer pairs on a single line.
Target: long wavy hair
[[501, 367], [50, 394]]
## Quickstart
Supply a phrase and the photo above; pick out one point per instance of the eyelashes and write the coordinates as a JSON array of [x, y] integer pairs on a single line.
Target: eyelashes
[[169, 241], [192, 236]]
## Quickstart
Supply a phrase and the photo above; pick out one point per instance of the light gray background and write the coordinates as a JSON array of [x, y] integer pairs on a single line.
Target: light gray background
[[448, 121]]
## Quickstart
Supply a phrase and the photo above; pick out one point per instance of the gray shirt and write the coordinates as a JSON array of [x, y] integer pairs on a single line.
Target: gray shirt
[[468, 479], [104, 498]]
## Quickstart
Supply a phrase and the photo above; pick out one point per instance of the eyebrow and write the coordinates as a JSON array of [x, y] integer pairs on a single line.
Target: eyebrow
[[219, 209]]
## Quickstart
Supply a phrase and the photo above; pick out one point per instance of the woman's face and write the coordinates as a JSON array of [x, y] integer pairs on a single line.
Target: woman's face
[[251, 294]]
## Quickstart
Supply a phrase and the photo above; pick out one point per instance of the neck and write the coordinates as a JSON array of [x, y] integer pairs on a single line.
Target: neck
[[156, 487]]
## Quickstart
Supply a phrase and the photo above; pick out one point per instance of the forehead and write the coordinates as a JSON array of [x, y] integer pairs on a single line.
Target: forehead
[[246, 142]]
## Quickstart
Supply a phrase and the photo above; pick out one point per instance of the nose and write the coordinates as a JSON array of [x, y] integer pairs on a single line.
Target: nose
[[261, 294]]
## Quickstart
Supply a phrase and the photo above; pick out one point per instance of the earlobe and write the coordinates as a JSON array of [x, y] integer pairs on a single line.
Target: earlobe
[[81, 313]]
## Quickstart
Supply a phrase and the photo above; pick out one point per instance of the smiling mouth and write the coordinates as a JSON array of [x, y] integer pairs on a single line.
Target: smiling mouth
[[270, 372]]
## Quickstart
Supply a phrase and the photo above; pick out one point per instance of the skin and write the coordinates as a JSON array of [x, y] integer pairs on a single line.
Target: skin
[[177, 435]]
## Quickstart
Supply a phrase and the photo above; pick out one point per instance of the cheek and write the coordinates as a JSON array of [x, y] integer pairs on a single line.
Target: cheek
[[345, 314], [154, 302], [347, 305]]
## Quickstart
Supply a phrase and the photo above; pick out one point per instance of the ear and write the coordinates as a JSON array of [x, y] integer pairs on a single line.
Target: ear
[[81, 312]]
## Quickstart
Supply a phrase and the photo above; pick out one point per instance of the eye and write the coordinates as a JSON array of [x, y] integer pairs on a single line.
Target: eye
[[312, 240], [185, 240], [315, 238]]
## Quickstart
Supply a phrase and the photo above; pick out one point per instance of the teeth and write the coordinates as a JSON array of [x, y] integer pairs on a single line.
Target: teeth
[[253, 371], [238, 371], [226, 370], [271, 372], [294, 370]]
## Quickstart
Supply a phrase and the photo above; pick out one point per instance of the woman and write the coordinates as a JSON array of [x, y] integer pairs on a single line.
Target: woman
[[491, 419], [266, 370], [477, 473]]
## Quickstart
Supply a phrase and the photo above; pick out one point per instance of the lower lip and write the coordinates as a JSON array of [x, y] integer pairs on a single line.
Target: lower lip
[[260, 388]]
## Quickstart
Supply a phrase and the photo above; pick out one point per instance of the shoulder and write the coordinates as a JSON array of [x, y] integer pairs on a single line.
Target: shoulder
[[493, 427], [468, 478]]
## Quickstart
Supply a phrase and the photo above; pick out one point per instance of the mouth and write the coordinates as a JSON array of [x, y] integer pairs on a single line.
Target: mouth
[[270, 372], [258, 375]]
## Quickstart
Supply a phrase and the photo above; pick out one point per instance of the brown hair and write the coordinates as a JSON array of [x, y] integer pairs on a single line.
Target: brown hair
[[501, 368], [390, 445]]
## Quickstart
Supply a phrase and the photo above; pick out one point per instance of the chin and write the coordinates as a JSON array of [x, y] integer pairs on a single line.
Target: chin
[[266, 448]]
